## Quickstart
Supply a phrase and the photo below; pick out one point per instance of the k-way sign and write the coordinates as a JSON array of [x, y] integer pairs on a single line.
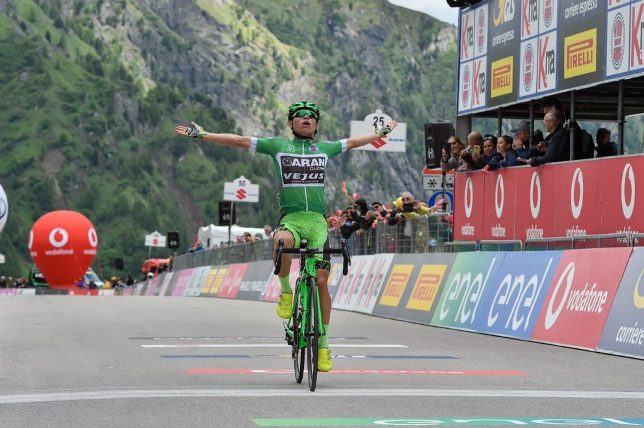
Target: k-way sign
[[241, 190], [394, 142]]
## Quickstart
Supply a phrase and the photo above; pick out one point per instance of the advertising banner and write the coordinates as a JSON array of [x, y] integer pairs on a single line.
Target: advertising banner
[[196, 281], [7, 291], [359, 290], [499, 216], [624, 330], [459, 305], [578, 199], [622, 194], [567, 199], [255, 279], [504, 46], [513, 301], [272, 290], [535, 211], [618, 40], [232, 281], [182, 283], [469, 197], [411, 288], [167, 284], [581, 296], [208, 282]]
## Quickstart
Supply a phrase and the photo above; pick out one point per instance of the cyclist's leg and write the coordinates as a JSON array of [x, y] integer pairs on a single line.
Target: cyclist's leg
[[290, 237]]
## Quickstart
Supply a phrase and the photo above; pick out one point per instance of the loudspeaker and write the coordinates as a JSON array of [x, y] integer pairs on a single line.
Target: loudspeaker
[[227, 216], [172, 240], [436, 135], [118, 264]]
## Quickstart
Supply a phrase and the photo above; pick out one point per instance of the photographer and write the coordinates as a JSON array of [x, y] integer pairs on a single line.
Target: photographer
[[406, 210]]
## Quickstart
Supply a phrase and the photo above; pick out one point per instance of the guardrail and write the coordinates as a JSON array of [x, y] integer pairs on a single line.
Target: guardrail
[[426, 234]]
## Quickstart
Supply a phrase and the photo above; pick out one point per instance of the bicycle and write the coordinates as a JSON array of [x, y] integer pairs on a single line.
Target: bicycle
[[304, 328]]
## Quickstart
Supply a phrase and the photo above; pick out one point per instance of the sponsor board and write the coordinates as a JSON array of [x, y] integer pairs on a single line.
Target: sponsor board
[[623, 191], [8, 291], [413, 286], [501, 77], [548, 15], [624, 330], [231, 282], [181, 285], [217, 280], [208, 282], [479, 82], [513, 301], [580, 53], [498, 217], [198, 278], [166, 284], [529, 18], [636, 32], [254, 281], [580, 297], [359, 290], [577, 202], [272, 290], [469, 199], [459, 305], [465, 86], [547, 69], [529, 67], [534, 215], [466, 39], [618, 41], [481, 15]]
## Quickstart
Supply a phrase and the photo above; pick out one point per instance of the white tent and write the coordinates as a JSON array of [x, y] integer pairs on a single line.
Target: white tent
[[211, 235]]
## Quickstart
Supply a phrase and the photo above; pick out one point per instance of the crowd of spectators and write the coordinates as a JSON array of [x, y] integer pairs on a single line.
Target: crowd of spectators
[[491, 152]]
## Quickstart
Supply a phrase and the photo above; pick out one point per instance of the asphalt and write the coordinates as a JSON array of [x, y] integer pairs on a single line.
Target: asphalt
[[190, 362]]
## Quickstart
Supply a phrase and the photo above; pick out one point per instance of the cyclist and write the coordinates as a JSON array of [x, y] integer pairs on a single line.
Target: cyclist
[[300, 164]]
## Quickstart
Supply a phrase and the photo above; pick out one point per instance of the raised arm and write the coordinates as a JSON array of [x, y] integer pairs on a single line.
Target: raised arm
[[196, 131], [362, 140]]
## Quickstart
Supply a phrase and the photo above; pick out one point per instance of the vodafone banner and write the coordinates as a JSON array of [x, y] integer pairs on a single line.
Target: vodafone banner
[[563, 199], [469, 202], [624, 331], [581, 296]]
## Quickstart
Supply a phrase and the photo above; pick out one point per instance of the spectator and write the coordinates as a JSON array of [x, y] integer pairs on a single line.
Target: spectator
[[379, 212], [524, 152], [3, 281], [452, 160], [348, 225], [605, 147], [558, 141], [268, 231], [522, 132], [248, 237], [489, 148], [196, 246], [259, 236], [471, 155], [505, 156], [130, 281]]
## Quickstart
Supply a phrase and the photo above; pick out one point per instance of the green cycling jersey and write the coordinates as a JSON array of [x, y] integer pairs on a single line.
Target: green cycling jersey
[[301, 168]]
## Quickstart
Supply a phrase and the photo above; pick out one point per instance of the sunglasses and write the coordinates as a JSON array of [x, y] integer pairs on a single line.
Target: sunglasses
[[310, 114]]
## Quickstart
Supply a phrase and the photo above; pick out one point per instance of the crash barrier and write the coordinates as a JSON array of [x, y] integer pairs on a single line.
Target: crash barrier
[[557, 297], [422, 234]]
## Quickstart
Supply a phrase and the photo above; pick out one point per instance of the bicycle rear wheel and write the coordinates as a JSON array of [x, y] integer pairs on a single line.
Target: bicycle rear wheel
[[312, 334], [296, 353]]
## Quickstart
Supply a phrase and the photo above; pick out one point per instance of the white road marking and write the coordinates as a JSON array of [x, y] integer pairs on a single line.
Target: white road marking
[[259, 345], [109, 394]]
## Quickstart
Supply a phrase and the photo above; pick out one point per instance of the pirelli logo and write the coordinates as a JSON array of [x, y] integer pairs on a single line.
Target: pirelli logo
[[580, 54], [502, 72]]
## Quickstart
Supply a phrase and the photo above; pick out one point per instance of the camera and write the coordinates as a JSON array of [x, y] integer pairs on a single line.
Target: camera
[[408, 207]]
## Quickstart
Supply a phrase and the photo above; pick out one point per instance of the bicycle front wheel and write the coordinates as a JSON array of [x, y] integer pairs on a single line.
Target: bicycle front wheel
[[312, 333], [296, 353]]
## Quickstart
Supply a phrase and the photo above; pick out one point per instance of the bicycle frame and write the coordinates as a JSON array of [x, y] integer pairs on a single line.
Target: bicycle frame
[[304, 327]]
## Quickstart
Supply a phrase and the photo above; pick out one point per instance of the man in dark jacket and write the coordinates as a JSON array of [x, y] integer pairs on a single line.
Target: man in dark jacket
[[558, 140]]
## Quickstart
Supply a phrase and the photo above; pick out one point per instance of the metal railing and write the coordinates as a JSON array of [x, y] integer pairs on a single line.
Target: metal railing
[[423, 234]]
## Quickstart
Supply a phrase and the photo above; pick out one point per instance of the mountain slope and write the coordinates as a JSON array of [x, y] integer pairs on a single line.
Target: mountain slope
[[92, 91]]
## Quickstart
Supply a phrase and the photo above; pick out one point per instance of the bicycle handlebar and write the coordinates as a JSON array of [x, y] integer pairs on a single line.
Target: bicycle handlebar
[[346, 259]]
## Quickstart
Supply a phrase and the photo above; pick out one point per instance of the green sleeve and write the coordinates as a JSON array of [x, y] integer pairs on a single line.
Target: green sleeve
[[334, 148], [265, 146]]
